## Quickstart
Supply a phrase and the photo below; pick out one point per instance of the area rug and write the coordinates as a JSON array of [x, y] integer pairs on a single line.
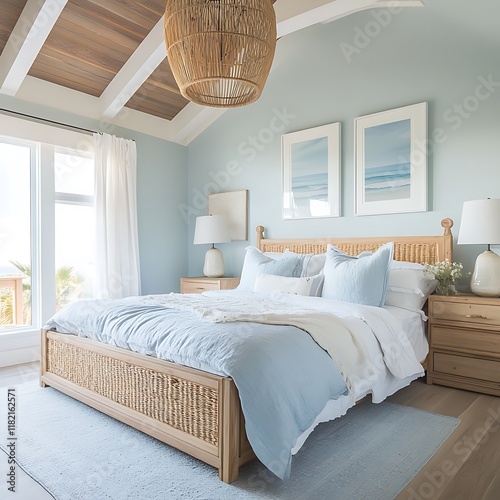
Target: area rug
[[77, 453]]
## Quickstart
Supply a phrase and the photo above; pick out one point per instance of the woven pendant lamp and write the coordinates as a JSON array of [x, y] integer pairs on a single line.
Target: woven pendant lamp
[[220, 51]]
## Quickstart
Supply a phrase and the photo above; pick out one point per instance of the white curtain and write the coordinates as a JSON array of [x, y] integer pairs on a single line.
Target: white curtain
[[117, 258]]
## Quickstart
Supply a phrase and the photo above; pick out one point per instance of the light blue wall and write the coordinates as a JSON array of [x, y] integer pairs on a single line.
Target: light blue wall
[[435, 54], [161, 188]]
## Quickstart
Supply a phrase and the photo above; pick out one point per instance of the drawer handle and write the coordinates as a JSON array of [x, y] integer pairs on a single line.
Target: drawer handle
[[475, 316], [200, 288]]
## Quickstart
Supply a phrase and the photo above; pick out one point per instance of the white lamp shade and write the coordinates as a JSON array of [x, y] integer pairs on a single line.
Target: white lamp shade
[[211, 229], [481, 226], [480, 223]]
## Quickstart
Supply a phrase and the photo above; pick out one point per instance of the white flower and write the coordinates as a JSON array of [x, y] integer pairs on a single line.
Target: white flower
[[444, 272]]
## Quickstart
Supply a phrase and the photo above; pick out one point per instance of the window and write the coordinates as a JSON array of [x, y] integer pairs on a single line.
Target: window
[[46, 230], [16, 171], [74, 226]]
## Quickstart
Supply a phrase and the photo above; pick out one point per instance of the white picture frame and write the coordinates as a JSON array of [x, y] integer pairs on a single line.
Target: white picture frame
[[311, 173], [391, 161], [234, 205]]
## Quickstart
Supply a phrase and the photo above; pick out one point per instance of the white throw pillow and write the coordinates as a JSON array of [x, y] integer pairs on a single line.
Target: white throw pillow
[[408, 287], [309, 286]]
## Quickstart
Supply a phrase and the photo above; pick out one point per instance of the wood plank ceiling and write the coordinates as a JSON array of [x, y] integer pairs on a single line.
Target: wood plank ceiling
[[89, 44], [10, 11]]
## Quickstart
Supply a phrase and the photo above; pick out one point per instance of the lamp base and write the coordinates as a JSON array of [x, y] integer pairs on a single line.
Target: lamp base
[[485, 279], [214, 264]]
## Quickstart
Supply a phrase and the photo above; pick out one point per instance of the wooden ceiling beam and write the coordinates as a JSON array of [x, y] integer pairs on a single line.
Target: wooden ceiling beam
[[30, 32]]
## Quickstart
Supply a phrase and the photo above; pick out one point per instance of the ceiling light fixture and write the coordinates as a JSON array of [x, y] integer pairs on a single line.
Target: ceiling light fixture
[[220, 51]]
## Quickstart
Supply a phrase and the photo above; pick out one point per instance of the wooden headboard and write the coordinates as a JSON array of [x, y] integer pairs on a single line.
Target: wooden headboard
[[421, 249]]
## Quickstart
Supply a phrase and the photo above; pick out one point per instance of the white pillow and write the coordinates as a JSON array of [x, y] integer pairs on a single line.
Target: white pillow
[[312, 265], [405, 299], [362, 280], [309, 286], [411, 279], [402, 264], [408, 287], [256, 262]]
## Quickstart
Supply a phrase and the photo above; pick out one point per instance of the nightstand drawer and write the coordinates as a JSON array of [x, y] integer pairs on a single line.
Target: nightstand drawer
[[468, 340], [193, 286], [481, 314], [200, 284], [463, 366]]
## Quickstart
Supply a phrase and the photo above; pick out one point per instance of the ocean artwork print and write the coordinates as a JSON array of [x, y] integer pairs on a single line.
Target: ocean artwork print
[[387, 174], [309, 177]]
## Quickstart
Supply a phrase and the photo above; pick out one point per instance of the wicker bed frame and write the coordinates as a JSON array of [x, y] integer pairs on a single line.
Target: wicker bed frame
[[194, 411]]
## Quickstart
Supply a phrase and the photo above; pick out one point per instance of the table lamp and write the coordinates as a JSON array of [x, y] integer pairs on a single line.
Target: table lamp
[[481, 226], [211, 229]]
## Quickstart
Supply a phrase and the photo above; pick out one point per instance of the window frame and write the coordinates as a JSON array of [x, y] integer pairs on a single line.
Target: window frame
[[45, 141]]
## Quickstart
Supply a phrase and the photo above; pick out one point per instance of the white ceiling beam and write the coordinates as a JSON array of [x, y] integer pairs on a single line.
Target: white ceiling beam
[[192, 120], [382, 4], [330, 11], [26, 40], [141, 64]]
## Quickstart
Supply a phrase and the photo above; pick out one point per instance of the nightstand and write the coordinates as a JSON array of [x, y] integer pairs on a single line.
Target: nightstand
[[464, 338], [199, 285]]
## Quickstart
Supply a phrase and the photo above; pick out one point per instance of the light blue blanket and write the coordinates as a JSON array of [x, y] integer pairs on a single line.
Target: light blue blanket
[[283, 377]]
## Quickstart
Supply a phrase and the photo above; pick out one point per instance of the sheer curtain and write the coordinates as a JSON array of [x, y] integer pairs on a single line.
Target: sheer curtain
[[117, 258]]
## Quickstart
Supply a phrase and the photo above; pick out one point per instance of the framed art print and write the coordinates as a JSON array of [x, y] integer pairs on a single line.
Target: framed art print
[[391, 161], [311, 173]]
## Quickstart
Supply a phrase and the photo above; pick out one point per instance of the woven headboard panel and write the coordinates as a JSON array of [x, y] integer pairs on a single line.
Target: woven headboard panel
[[421, 249]]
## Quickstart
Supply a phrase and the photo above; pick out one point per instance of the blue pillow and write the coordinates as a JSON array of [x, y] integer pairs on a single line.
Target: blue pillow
[[362, 280], [256, 262]]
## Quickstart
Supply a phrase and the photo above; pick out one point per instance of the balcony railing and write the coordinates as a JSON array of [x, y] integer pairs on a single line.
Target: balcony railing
[[16, 284]]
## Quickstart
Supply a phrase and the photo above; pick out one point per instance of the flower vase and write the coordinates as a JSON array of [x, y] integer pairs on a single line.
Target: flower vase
[[446, 287]]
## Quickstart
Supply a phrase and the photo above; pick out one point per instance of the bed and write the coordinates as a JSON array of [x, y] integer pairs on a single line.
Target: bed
[[190, 409]]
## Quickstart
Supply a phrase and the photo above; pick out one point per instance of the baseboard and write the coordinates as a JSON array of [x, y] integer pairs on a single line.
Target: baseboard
[[18, 348]]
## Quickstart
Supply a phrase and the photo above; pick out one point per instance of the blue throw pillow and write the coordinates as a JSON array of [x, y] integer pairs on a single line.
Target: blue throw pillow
[[362, 280], [256, 262]]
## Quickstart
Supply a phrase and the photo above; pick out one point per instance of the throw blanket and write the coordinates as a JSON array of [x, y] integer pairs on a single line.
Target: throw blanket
[[317, 317], [326, 329]]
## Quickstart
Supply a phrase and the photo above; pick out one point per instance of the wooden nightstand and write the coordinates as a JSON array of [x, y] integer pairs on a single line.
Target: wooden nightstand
[[198, 285], [464, 338]]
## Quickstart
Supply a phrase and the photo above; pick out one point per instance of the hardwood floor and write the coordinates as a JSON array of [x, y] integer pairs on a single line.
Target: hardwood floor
[[467, 466]]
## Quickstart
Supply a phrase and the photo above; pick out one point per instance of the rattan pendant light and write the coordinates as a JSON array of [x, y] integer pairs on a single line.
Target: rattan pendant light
[[220, 51]]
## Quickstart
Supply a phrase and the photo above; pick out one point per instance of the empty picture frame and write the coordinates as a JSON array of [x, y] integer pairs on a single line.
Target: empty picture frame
[[311, 173], [391, 161], [234, 205]]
